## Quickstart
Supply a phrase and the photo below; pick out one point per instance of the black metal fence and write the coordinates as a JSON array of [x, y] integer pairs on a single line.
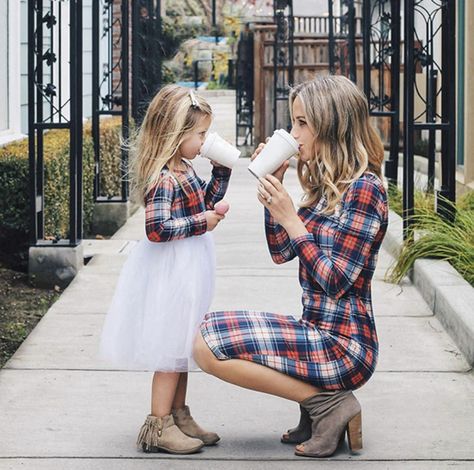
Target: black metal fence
[[428, 50], [55, 102], [429, 30], [342, 35], [427, 68], [110, 85], [382, 71], [283, 61], [146, 54], [244, 92]]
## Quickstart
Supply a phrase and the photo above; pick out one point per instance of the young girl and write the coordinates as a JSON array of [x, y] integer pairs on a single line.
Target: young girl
[[167, 282]]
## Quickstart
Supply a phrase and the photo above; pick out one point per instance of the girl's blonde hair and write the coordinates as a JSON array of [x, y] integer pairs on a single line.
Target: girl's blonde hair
[[345, 142], [173, 112]]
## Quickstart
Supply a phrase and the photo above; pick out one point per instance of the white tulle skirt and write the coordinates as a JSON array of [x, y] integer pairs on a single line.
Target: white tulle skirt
[[163, 293]]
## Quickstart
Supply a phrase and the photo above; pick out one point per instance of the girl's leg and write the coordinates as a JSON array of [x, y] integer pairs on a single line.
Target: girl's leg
[[163, 392], [182, 415], [180, 396], [159, 432], [251, 375]]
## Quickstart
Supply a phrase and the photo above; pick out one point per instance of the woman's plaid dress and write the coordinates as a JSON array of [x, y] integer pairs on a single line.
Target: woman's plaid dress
[[334, 345]]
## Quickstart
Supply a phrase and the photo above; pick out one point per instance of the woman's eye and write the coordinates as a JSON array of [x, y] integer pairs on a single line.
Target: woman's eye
[[302, 123]]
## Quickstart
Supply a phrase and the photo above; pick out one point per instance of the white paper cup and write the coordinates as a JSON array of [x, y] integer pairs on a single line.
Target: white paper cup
[[217, 149], [278, 149]]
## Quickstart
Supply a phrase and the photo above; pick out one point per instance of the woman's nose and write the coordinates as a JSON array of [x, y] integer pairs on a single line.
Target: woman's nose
[[293, 133]]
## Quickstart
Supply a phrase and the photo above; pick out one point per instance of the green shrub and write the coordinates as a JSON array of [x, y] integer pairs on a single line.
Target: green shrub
[[421, 200], [110, 155], [14, 186], [438, 238]]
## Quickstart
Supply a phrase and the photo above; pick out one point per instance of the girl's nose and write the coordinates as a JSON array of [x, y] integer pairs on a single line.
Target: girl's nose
[[293, 133]]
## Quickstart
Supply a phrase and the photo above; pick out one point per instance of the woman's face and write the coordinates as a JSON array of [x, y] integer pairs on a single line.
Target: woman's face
[[301, 132], [192, 144]]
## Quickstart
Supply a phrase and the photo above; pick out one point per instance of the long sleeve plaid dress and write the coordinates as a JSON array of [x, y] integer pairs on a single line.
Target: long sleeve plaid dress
[[334, 344]]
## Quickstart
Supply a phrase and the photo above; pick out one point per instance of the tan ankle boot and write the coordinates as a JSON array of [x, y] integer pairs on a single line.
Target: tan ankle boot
[[162, 434], [186, 423], [332, 414]]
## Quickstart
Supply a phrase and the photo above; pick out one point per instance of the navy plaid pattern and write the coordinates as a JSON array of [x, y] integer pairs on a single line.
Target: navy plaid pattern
[[174, 208], [334, 345]]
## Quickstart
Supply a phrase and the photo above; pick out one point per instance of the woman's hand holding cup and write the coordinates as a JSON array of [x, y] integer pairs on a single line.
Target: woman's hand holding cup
[[273, 195]]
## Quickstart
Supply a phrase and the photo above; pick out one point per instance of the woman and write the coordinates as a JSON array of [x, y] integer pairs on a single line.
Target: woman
[[318, 360]]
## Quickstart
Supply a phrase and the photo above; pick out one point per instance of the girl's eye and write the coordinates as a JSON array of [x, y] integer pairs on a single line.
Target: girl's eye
[[301, 123]]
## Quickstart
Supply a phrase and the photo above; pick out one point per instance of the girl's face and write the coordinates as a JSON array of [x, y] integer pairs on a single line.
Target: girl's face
[[302, 132], [193, 141]]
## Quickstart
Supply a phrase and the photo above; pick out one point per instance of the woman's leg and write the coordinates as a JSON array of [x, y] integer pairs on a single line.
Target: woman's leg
[[163, 391], [251, 375]]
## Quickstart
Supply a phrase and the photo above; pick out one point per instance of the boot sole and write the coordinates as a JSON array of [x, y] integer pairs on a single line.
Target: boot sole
[[157, 449], [212, 443]]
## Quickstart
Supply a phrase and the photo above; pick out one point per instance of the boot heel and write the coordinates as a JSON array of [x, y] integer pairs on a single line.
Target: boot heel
[[354, 433]]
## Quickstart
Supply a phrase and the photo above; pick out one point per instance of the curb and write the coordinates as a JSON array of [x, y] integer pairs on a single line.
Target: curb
[[449, 296]]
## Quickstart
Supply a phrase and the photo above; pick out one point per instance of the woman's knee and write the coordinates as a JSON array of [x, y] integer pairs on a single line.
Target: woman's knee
[[202, 354]]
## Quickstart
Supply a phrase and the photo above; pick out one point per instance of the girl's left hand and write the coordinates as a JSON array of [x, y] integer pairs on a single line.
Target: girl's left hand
[[273, 195]]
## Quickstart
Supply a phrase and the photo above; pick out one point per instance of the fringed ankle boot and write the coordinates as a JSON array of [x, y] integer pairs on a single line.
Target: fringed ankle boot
[[332, 413], [162, 434], [300, 433], [185, 422]]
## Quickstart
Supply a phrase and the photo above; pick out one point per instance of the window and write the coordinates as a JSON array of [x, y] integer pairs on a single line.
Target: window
[[10, 90], [4, 39]]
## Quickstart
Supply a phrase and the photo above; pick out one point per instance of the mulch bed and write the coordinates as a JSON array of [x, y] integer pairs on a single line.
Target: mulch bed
[[21, 307]]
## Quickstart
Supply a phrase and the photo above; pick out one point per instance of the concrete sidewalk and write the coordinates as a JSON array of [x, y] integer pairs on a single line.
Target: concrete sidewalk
[[61, 408]]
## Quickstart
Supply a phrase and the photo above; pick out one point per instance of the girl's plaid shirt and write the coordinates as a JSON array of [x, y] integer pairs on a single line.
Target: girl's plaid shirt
[[174, 208]]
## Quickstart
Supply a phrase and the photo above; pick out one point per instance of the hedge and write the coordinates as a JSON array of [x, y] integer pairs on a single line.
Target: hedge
[[14, 186]]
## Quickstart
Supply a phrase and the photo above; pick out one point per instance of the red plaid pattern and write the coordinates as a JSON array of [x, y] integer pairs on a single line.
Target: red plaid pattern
[[174, 208], [334, 345]]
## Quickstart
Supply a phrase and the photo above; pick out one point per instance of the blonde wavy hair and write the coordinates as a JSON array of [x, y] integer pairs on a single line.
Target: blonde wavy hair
[[345, 143], [172, 114]]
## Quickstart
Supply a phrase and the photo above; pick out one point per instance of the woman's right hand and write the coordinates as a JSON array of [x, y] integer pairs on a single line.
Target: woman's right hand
[[280, 173], [212, 219]]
